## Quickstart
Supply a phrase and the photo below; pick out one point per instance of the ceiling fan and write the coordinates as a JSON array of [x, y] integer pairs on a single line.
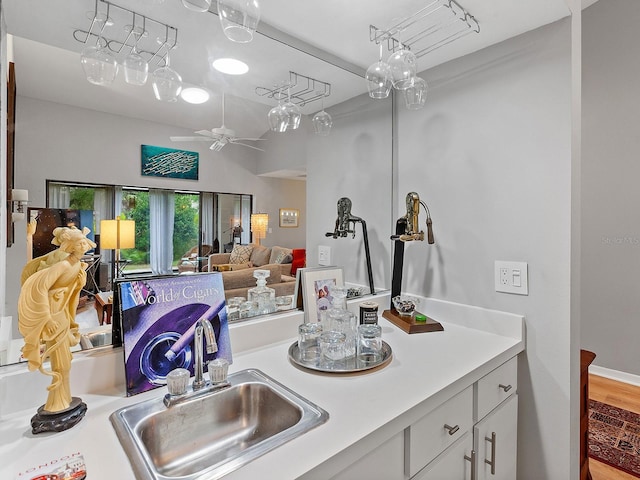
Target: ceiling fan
[[219, 136]]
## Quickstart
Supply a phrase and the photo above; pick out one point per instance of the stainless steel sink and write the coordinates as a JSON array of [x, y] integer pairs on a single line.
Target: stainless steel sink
[[213, 434]]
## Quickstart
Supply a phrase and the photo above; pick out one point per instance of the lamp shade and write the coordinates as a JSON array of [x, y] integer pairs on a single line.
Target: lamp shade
[[259, 224], [117, 234]]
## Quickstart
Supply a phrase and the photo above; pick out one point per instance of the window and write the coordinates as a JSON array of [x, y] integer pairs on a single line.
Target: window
[[197, 217]]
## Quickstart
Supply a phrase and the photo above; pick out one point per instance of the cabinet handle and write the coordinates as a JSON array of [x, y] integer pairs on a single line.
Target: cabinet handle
[[506, 388], [450, 429], [472, 459], [492, 462]]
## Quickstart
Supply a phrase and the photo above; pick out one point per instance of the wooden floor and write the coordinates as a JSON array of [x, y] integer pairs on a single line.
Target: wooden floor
[[620, 395]]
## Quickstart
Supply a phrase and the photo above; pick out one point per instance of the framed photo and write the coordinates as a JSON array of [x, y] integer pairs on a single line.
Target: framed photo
[[289, 217], [316, 289]]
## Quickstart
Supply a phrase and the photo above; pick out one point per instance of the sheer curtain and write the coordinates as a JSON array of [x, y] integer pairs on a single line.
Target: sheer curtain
[[207, 218], [59, 196], [161, 213]]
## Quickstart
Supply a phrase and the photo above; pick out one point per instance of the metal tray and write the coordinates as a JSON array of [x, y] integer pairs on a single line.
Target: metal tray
[[348, 365]]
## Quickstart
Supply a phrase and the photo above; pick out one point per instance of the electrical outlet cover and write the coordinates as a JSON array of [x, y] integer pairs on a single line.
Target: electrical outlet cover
[[511, 277]]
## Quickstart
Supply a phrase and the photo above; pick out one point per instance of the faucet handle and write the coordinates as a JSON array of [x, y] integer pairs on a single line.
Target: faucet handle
[[218, 369], [178, 381]]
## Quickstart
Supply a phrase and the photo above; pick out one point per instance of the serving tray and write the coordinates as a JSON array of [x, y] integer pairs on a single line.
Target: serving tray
[[349, 365]]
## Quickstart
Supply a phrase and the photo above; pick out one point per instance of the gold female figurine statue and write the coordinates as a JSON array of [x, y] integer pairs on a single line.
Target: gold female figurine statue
[[51, 286]]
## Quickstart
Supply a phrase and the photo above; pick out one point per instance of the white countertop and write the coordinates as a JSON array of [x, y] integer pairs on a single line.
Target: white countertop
[[364, 409]]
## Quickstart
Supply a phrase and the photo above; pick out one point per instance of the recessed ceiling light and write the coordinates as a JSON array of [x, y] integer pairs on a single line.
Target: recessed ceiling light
[[230, 66], [194, 95]]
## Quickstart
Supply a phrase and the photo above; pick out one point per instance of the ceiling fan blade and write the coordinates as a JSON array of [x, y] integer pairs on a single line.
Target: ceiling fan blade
[[250, 139], [247, 145], [190, 139], [207, 133]]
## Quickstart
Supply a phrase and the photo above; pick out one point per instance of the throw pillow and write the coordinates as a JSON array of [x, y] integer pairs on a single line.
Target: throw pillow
[[240, 253], [260, 255], [283, 257], [276, 251]]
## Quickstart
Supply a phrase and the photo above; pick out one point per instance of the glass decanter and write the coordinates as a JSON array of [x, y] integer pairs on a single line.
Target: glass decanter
[[264, 296], [339, 319]]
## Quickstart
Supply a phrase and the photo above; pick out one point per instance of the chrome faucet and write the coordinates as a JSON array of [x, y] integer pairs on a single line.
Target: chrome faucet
[[202, 327]]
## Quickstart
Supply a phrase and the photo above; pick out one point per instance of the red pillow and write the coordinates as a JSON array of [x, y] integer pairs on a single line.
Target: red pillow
[[299, 259]]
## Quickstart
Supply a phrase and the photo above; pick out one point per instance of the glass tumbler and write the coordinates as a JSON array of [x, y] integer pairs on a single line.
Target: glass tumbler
[[331, 346], [308, 336], [369, 344]]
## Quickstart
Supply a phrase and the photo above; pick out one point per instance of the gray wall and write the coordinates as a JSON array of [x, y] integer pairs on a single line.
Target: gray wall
[[490, 154], [610, 193], [61, 142], [354, 161]]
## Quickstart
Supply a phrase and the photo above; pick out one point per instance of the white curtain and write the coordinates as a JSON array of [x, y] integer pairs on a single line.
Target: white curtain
[[161, 213], [59, 196], [207, 218]]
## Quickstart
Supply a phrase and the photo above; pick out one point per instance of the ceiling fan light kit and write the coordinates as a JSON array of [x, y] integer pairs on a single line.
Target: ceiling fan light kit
[[433, 26]]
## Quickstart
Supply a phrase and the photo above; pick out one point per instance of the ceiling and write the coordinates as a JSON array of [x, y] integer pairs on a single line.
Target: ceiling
[[48, 66]]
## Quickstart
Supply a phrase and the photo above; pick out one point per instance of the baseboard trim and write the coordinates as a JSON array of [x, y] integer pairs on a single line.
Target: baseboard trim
[[615, 375]]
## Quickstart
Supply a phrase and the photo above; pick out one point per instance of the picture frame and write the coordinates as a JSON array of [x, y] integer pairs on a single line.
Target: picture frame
[[316, 286], [289, 217], [168, 162]]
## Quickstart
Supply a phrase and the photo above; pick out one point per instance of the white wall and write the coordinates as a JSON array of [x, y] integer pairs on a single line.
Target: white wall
[[354, 161], [60, 142], [490, 154], [610, 193]]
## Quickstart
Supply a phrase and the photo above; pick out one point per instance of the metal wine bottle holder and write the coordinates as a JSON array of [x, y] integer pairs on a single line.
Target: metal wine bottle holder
[[407, 230], [346, 224]]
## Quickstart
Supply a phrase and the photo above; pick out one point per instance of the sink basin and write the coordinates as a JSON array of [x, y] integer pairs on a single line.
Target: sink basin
[[213, 434]]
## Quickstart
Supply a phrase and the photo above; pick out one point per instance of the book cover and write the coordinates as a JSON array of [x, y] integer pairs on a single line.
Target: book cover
[[159, 317], [64, 467]]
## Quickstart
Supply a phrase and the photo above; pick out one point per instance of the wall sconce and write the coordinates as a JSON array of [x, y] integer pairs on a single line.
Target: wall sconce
[[19, 199], [259, 225], [117, 234]]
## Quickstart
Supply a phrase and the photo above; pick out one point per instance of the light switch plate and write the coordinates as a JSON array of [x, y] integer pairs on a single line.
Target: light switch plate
[[324, 255], [512, 277]]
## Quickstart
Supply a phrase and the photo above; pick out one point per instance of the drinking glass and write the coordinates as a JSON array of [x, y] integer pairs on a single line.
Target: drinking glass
[[167, 83], [331, 346], [308, 336], [136, 68], [239, 19], [369, 343], [415, 95], [99, 65], [293, 112], [278, 117], [197, 5], [322, 122], [379, 78], [403, 66]]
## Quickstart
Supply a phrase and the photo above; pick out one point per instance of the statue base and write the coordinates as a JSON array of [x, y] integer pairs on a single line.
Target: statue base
[[45, 421]]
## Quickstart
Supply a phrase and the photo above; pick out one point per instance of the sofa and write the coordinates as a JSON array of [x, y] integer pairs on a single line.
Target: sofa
[[237, 268]]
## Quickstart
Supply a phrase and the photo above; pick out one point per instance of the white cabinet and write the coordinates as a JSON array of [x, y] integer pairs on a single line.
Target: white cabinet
[[451, 464], [496, 442], [384, 463], [434, 432], [478, 424]]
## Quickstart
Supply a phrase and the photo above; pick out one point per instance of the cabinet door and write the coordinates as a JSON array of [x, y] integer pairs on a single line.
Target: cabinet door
[[384, 463], [496, 439], [451, 464]]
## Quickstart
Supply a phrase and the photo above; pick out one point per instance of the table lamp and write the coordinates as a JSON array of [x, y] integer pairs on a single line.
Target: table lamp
[[115, 235]]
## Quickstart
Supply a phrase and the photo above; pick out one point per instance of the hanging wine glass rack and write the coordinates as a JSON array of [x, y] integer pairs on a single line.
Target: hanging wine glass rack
[[435, 25], [153, 39], [302, 89]]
